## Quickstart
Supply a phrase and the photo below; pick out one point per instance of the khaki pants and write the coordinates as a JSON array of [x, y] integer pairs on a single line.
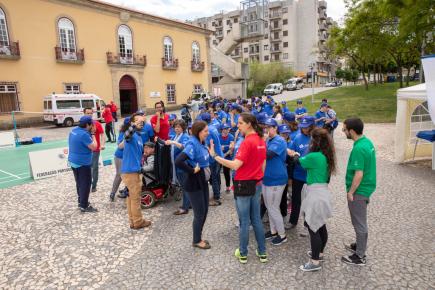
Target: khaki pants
[[133, 181]]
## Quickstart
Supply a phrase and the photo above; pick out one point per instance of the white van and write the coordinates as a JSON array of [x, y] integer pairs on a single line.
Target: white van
[[273, 89], [67, 109], [294, 84]]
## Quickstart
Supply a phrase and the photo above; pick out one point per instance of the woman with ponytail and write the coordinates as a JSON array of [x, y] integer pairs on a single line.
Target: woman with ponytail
[[249, 164], [316, 206]]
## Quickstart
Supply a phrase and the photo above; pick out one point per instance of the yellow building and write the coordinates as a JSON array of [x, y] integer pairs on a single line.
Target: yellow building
[[71, 46]]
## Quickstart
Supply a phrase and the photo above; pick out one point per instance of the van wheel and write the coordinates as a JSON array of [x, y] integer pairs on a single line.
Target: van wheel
[[69, 122]]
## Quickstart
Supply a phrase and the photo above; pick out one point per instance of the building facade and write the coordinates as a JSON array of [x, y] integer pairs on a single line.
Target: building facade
[[86, 46], [296, 32]]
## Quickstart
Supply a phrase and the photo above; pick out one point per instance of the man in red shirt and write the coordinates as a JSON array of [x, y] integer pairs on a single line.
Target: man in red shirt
[[160, 121], [113, 109], [108, 119], [98, 132]]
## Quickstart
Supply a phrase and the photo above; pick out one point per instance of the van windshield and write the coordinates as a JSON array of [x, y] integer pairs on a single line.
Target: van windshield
[[269, 87]]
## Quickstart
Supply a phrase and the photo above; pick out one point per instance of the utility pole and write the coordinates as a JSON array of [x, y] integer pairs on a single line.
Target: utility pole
[[312, 81]]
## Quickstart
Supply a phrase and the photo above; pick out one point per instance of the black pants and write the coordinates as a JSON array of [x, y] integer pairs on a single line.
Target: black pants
[[318, 241], [83, 178], [227, 175], [115, 118], [109, 132], [199, 201], [297, 186], [283, 204]]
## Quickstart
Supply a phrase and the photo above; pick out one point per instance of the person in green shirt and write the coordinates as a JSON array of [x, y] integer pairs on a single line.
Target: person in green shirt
[[316, 204], [360, 184]]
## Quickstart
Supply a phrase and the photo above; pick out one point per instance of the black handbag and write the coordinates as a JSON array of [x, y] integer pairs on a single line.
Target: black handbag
[[245, 187]]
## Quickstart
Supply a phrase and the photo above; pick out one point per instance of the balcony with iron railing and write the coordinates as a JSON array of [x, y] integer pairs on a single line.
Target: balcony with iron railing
[[66, 56], [323, 4], [275, 49], [323, 26], [322, 15], [128, 59], [274, 14], [197, 66], [273, 27], [329, 21], [11, 51], [170, 64], [275, 39]]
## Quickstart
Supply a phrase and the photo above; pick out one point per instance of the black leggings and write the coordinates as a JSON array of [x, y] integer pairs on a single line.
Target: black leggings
[[318, 241], [109, 132], [297, 186], [283, 204], [227, 175], [199, 201]]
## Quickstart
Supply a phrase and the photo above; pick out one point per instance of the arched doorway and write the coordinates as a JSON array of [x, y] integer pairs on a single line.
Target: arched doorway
[[127, 95]]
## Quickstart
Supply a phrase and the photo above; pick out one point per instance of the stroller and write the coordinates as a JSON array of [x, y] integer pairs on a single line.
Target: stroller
[[159, 186]]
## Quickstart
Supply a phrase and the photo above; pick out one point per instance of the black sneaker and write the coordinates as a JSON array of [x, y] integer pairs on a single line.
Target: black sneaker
[[354, 259], [89, 209], [351, 248], [112, 197], [278, 240], [270, 236], [94, 189]]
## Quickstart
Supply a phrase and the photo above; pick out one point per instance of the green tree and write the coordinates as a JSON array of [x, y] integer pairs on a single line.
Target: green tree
[[261, 75]]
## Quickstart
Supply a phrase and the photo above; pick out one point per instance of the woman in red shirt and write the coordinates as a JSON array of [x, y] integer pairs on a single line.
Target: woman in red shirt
[[160, 121], [249, 164], [108, 119]]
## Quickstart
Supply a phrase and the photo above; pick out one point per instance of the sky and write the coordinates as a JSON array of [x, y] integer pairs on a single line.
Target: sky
[[191, 9]]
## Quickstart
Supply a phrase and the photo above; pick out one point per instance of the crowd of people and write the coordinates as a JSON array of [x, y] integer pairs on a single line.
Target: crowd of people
[[267, 154]]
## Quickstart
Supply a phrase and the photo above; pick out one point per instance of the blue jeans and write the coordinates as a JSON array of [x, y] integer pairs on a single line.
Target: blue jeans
[[82, 176], [94, 168], [215, 176], [248, 210], [199, 201], [181, 176]]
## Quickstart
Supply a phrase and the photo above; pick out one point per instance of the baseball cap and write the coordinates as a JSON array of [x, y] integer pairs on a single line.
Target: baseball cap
[[299, 102], [127, 120], [86, 120], [225, 126], [261, 118], [149, 144], [323, 105], [140, 112], [306, 122], [172, 117], [234, 106], [271, 123], [206, 117], [283, 129], [289, 116]]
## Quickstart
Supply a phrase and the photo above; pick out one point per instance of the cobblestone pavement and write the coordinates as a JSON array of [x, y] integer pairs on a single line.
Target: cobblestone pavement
[[46, 243]]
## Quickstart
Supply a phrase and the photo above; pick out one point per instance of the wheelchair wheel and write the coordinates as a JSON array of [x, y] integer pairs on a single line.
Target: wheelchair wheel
[[176, 192], [147, 199]]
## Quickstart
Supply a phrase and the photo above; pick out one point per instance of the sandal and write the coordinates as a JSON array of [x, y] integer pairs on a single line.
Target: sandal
[[181, 211], [206, 245]]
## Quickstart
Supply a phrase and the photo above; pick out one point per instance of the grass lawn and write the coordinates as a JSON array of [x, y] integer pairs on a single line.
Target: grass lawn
[[377, 105]]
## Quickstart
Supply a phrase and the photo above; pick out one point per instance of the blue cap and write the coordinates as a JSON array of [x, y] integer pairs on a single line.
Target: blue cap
[[127, 120], [261, 118], [284, 102], [86, 120], [284, 129], [225, 126], [234, 106], [307, 121], [201, 107], [172, 117], [323, 105], [206, 117], [299, 102], [289, 116], [271, 123], [269, 97], [140, 112]]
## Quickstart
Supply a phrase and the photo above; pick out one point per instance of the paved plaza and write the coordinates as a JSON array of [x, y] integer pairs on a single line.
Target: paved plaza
[[45, 242]]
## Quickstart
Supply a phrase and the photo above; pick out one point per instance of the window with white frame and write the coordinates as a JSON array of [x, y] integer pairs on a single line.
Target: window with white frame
[[285, 56], [72, 88], [125, 42], [170, 93], [167, 45], [4, 36], [67, 38], [195, 52], [197, 89], [420, 120]]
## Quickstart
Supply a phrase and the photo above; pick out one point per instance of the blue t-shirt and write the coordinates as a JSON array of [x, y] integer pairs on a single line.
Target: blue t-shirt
[[300, 111], [197, 153], [78, 141], [285, 110], [216, 123], [146, 133], [184, 138], [236, 120], [293, 135], [300, 144], [225, 143], [119, 151], [276, 170], [221, 115], [132, 156], [268, 109], [320, 114], [171, 133], [213, 134]]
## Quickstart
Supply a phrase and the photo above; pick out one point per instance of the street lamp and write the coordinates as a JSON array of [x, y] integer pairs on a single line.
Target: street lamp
[[311, 67]]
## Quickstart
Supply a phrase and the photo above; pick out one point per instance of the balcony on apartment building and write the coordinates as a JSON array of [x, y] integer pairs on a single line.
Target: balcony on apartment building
[[254, 51], [275, 49], [69, 56], [236, 53], [273, 27], [323, 4], [275, 14], [197, 66], [323, 37], [329, 21], [275, 39], [126, 59], [323, 26], [11, 51], [322, 15], [322, 48], [169, 64]]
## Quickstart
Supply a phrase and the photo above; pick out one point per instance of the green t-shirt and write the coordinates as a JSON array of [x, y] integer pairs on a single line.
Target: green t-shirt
[[316, 165], [362, 158]]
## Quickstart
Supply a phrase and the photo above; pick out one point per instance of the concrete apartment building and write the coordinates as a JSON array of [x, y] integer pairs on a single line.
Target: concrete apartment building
[[296, 32], [88, 46]]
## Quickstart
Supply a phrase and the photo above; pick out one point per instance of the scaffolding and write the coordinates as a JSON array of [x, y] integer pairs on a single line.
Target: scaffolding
[[253, 19]]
